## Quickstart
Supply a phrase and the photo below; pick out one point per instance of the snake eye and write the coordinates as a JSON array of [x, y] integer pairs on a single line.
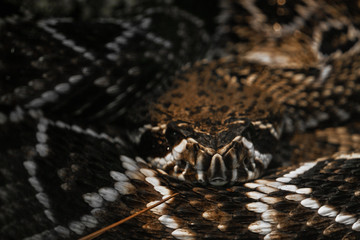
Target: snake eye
[[173, 136], [153, 144]]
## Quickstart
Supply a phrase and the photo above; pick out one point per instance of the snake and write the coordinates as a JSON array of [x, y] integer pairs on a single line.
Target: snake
[[248, 110]]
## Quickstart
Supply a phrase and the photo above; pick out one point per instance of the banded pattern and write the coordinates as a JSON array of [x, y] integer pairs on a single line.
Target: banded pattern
[[253, 120]]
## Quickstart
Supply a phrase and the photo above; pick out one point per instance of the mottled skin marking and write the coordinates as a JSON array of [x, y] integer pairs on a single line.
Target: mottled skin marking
[[209, 97]]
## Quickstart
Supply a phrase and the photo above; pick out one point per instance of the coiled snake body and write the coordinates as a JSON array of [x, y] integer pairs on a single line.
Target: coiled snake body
[[261, 140]]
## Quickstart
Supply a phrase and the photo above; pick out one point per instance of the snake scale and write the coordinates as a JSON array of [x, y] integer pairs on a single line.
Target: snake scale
[[248, 109]]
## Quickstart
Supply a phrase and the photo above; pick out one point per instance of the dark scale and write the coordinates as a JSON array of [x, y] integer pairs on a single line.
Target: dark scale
[[248, 109]]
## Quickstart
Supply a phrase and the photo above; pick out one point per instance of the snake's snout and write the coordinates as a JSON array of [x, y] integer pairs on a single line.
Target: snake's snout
[[217, 171], [237, 161]]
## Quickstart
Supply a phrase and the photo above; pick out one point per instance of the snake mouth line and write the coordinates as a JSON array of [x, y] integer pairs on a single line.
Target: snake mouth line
[[238, 161]]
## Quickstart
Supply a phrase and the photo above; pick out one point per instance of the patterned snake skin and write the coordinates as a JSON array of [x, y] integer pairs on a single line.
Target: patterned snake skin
[[248, 109]]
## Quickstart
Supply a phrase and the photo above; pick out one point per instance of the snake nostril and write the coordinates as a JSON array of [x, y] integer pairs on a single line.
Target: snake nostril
[[202, 181]]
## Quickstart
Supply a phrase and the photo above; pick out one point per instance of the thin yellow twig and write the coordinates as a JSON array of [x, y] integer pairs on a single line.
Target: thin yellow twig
[[101, 231]]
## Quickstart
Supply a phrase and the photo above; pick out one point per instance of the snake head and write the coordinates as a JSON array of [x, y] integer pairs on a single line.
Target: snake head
[[222, 157]]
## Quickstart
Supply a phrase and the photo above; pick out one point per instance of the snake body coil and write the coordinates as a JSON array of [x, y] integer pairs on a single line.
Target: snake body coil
[[253, 119]]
